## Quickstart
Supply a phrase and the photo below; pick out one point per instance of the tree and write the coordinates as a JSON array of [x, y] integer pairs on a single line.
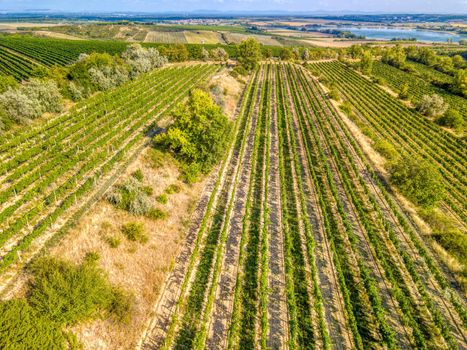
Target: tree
[[366, 63], [142, 60], [219, 54], [355, 51], [451, 119], [458, 61], [296, 53], [460, 82], [395, 56], [306, 55], [249, 54], [432, 106], [7, 82], [176, 53], [286, 54], [418, 180], [199, 133], [404, 91], [204, 54]]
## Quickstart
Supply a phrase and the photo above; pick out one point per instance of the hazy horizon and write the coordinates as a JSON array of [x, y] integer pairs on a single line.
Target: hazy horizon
[[286, 6]]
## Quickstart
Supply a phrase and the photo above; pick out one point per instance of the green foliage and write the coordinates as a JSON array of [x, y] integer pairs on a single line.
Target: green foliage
[[451, 119], [386, 149], [131, 196], [23, 328], [198, 135], [366, 63], [419, 180], [138, 175], [404, 92], [157, 214], [114, 242], [249, 54], [447, 234], [432, 106], [135, 232], [460, 82], [334, 93], [163, 199], [394, 56], [7, 82], [174, 188], [68, 294], [286, 54], [175, 53]]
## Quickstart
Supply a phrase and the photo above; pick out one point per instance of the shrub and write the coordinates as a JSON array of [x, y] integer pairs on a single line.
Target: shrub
[[219, 54], [22, 327], [451, 119], [418, 179], [142, 60], [130, 196], [157, 214], [67, 293], [404, 92], [163, 199], [138, 175], [135, 232], [174, 188], [432, 106], [114, 242], [386, 149]]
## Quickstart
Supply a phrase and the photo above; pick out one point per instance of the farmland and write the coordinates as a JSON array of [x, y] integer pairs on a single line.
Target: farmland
[[48, 171], [387, 117], [301, 245]]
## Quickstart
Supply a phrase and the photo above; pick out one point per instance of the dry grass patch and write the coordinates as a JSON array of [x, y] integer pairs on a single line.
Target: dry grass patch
[[138, 268]]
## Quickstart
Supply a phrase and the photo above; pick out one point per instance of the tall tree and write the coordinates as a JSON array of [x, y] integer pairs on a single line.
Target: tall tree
[[249, 54]]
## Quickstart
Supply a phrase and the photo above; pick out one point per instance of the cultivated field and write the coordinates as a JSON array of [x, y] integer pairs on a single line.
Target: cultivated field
[[48, 172], [301, 244], [165, 37]]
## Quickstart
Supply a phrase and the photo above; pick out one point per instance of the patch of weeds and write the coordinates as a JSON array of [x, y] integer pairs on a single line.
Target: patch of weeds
[[113, 241], [138, 175], [135, 232], [163, 199], [157, 214], [174, 188]]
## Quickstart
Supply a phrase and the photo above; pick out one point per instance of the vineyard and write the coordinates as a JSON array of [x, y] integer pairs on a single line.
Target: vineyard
[[389, 119], [300, 244], [48, 171], [20, 54], [418, 87]]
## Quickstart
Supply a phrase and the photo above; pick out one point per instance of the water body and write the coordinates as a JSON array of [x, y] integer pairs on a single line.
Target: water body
[[387, 33]]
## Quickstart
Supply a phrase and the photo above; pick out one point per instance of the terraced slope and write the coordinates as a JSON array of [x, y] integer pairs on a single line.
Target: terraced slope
[[46, 173], [300, 245]]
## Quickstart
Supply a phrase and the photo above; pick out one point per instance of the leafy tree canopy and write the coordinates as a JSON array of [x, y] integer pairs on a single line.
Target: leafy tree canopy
[[249, 54]]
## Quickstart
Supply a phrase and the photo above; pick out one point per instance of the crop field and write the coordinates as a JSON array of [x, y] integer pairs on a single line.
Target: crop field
[[16, 65], [203, 37], [51, 52], [165, 37], [48, 171], [418, 87], [301, 245], [391, 120], [236, 38]]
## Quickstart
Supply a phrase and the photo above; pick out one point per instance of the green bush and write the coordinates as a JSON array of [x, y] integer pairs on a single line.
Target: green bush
[[131, 196], [174, 188], [418, 180], [135, 232], [451, 119], [157, 214], [60, 294], [68, 294], [113, 241], [163, 199], [23, 328], [138, 175], [386, 149]]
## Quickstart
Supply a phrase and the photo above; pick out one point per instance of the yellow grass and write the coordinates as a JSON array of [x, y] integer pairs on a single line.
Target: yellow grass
[[203, 37]]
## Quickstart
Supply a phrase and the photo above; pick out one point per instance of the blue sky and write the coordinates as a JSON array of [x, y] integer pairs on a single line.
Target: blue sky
[[393, 6]]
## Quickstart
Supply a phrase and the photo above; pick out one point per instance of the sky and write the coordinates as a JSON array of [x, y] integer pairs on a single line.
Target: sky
[[158, 6]]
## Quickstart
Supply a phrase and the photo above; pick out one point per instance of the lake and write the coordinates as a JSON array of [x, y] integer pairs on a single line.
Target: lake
[[388, 33]]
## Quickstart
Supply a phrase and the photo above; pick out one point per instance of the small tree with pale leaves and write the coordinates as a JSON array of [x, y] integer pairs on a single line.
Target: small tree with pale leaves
[[432, 106]]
